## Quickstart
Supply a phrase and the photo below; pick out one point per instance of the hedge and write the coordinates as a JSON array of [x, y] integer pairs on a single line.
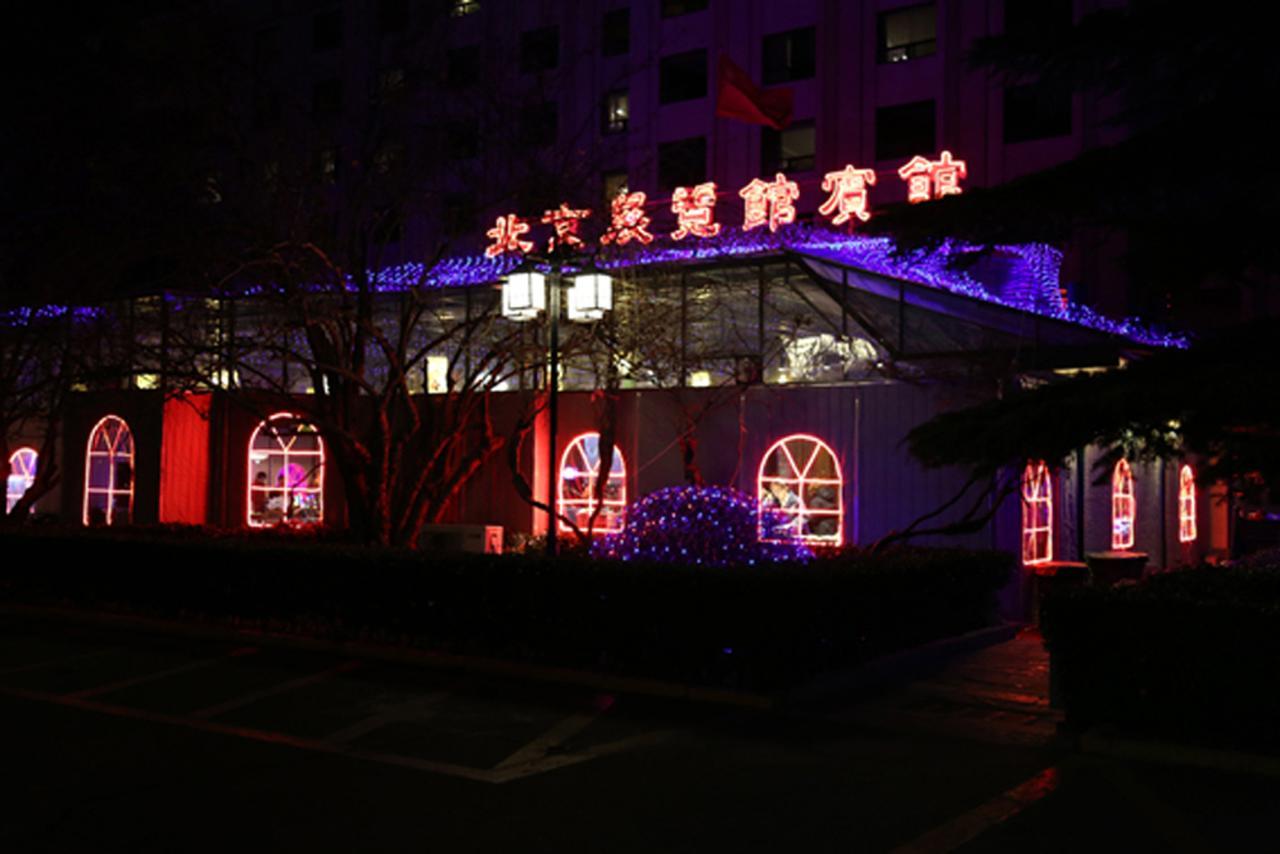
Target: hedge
[[762, 629], [1189, 655]]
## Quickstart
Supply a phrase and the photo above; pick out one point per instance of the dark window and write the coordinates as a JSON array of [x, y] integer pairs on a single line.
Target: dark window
[[463, 67], [789, 150], [682, 76], [1035, 111], [613, 183], [538, 124], [326, 97], [675, 8], [905, 130], [616, 112], [393, 16], [908, 33], [789, 56], [615, 32], [540, 49], [1036, 19], [326, 30], [461, 140], [391, 84], [266, 45], [682, 163]]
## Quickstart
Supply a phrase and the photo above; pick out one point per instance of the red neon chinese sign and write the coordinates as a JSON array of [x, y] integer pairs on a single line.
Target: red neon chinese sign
[[848, 189], [565, 221], [771, 203], [629, 221], [506, 233], [932, 179], [695, 212]]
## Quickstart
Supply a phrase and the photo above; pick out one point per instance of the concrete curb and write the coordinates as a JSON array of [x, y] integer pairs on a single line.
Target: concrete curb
[[1101, 742], [875, 674]]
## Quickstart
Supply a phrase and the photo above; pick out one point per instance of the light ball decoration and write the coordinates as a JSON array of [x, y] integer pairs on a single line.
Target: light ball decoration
[[698, 525]]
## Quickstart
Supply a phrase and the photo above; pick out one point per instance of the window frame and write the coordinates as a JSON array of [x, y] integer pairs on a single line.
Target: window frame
[[885, 55], [613, 514], [1186, 505], [1037, 514], [23, 464], [123, 436], [669, 72], [608, 125], [1124, 516], [801, 513], [286, 491], [787, 73]]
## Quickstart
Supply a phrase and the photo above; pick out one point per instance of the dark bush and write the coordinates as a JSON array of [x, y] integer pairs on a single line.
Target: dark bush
[[762, 628], [1189, 655]]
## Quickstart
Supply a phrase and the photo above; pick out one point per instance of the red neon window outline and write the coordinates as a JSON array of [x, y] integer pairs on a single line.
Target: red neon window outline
[[285, 481], [1122, 507], [1037, 514], [108, 473], [576, 487], [1186, 505], [800, 479], [22, 473]]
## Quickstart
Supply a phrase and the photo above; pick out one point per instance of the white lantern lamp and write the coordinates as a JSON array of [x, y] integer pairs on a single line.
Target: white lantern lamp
[[524, 295], [591, 296]]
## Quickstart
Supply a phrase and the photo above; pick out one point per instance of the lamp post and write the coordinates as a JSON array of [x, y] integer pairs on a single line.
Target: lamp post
[[524, 296]]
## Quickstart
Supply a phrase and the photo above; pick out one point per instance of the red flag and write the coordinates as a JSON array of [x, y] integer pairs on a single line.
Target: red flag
[[737, 97]]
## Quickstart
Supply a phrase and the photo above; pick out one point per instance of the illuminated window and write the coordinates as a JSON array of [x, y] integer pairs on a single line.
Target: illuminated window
[[286, 473], [22, 473], [108, 474], [1037, 514], [801, 492], [1186, 505], [1122, 507], [579, 479]]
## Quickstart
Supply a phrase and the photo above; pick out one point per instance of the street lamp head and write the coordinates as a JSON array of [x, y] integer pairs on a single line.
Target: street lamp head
[[591, 296], [524, 294]]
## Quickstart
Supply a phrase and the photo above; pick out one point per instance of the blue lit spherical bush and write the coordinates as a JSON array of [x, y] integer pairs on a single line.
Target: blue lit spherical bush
[[702, 525]]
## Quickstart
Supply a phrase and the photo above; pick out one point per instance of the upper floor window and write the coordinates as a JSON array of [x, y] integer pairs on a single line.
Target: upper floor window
[[788, 150], [908, 33], [1036, 111], [108, 473], [583, 496], [1036, 19], [801, 488], [460, 8], [616, 112], [1123, 507], [462, 66], [393, 16], [905, 130], [22, 473], [613, 184], [789, 56], [682, 162], [286, 473], [540, 49], [675, 8], [682, 76], [1037, 514], [1186, 505], [615, 32], [326, 30]]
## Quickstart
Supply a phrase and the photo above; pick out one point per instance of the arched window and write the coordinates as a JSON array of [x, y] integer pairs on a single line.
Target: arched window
[[801, 491], [1037, 514], [286, 473], [108, 473], [579, 476], [1186, 505], [1122, 507], [22, 473]]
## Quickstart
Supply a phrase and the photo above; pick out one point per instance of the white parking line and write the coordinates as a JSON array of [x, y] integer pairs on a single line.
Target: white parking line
[[283, 687], [190, 666], [419, 709]]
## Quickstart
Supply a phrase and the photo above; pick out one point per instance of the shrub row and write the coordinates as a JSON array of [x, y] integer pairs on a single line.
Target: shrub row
[[766, 628], [1189, 655]]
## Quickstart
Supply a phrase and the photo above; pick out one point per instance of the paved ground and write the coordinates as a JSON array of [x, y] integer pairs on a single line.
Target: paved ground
[[161, 744]]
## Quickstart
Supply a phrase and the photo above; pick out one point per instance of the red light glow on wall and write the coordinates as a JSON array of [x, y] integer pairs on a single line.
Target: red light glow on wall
[[1037, 514], [108, 473], [1123, 507], [22, 473], [285, 473], [801, 483], [576, 490], [1186, 505]]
